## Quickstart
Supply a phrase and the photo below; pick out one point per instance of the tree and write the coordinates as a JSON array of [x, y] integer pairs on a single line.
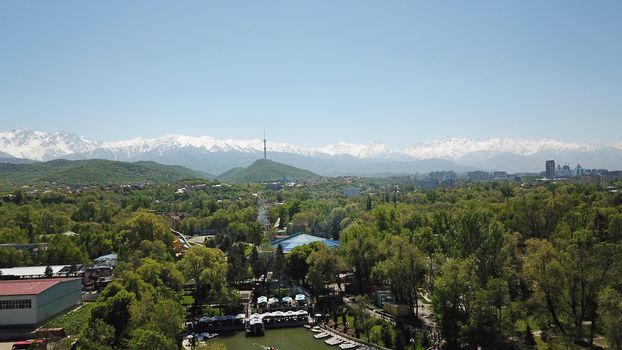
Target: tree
[[24, 220], [150, 272], [454, 294], [237, 264], [134, 283], [615, 228], [428, 243], [86, 211], [48, 272], [62, 250], [143, 226], [205, 266], [400, 342], [208, 268], [156, 250], [403, 271], [279, 262], [506, 191], [144, 339], [297, 266], [363, 321], [19, 196], [567, 279], [255, 263], [362, 251], [536, 215], [489, 321], [167, 318], [294, 208], [50, 223], [528, 337], [386, 336], [263, 261], [172, 277], [306, 221], [11, 257], [98, 335], [610, 302], [336, 217], [324, 268], [113, 308]]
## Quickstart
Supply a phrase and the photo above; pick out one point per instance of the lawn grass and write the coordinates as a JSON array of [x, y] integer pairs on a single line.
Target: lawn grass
[[248, 250], [72, 321], [376, 331], [187, 300]]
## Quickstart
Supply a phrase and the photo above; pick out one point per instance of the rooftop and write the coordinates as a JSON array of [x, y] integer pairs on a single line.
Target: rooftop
[[28, 287], [25, 271], [298, 239]]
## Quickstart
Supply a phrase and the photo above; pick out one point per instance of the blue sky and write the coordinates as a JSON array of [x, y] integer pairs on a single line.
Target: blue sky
[[314, 72]]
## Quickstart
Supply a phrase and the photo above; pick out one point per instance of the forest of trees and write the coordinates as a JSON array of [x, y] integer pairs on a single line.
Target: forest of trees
[[499, 261]]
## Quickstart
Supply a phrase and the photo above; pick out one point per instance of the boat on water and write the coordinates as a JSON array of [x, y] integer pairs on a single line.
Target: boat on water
[[333, 341], [255, 327], [321, 335], [347, 346], [316, 329], [202, 336], [272, 348]]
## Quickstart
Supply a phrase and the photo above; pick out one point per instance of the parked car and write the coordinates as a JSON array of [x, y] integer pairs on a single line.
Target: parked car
[[40, 344]]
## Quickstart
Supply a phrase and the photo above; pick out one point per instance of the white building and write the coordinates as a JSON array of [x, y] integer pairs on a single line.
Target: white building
[[39, 271], [30, 302]]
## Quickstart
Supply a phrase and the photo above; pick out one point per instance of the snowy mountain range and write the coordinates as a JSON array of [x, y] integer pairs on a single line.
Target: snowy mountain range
[[219, 155]]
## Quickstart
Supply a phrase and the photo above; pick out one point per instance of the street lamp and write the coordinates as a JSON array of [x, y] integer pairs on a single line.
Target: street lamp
[[412, 341]]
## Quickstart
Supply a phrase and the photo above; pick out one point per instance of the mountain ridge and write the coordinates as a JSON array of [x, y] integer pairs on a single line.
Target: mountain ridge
[[218, 155], [263, 170], [92, 172]]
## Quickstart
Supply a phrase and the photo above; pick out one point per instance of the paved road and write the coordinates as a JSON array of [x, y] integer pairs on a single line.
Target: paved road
[[425, 312], [6, 345], [372, 312]]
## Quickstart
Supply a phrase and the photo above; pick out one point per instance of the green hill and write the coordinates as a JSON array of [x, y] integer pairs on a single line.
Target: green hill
[[266, 170], [92, 172], [231, 173]]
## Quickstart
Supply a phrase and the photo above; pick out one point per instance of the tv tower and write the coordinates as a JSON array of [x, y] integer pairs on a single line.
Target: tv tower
[[265, 156]]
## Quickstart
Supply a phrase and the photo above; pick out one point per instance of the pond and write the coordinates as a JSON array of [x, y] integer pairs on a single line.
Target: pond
[[282, 338]]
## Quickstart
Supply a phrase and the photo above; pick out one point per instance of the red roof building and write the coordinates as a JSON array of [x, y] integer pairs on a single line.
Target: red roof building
[[34, 301], [26, 287]]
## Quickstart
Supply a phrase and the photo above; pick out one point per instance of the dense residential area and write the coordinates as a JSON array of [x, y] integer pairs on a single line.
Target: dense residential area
[[360, 262]]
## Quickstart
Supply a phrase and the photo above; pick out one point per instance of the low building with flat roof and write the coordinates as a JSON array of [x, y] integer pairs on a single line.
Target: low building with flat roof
[[39, 271], [30, 302]]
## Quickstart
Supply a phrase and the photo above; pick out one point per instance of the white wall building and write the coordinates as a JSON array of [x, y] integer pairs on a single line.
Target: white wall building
[[30, 302]]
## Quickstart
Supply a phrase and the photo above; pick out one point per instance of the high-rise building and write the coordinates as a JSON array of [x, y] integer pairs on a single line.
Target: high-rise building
[[550, 169]]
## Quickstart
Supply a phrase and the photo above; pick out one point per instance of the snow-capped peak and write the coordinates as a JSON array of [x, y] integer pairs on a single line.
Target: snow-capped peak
[[38, 145], [373, 150], [456, 148]]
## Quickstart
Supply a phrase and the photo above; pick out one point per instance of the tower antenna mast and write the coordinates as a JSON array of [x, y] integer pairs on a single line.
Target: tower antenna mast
[[265, 156]]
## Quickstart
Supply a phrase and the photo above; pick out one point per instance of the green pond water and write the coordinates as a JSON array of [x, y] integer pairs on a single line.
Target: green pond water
[[297, 338]]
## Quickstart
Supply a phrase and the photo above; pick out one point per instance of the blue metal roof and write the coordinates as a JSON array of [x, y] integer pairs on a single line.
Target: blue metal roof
[[112, 256], [298, 239]]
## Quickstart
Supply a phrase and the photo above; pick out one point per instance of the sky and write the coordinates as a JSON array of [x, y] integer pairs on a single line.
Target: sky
[[314, 72]]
